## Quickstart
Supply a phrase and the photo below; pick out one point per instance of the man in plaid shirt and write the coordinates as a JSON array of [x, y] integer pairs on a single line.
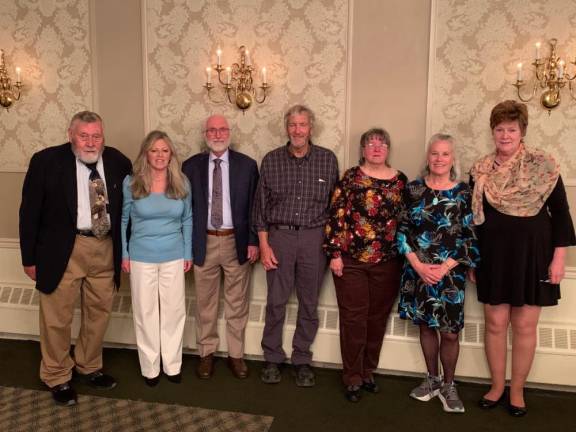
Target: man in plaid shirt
[[290, 211]]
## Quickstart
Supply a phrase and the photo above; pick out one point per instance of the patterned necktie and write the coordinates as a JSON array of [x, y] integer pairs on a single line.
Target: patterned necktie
[[98, 203], [216, 214]]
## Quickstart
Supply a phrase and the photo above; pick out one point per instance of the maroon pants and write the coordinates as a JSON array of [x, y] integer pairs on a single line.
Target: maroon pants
[[365, 293]]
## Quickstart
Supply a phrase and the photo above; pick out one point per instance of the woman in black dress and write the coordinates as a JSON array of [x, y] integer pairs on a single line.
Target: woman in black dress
[[523, 226]]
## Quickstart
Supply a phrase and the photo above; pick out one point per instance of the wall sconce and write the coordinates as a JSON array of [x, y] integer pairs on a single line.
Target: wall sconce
[[550, 74], [238, 85], [8, 93]]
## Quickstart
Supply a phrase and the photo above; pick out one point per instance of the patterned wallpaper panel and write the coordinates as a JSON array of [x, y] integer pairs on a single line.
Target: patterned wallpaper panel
[[50, 41], [476, 47], [302, 43]]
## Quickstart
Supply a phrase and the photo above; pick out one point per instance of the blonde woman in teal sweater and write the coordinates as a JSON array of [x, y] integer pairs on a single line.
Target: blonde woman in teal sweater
[[157, 253]]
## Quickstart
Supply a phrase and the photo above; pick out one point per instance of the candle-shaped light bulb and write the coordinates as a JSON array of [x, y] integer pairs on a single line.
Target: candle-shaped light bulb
[[264, 81], [18, 70], [537, 46], [561, 66], [208, 75], [519, 72], [218, 56], [228, 75], [248, 59]]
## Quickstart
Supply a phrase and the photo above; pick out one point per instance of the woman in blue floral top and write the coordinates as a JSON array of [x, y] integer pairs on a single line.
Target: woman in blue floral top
[[436, 236], [364, 261]]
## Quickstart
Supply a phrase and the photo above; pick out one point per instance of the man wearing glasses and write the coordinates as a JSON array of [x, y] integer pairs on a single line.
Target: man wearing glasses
[[290, 211], [70, 245], [223, 184]]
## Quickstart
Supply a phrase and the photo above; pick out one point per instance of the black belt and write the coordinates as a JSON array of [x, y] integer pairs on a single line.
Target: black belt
[[289, 227], [85, 233]]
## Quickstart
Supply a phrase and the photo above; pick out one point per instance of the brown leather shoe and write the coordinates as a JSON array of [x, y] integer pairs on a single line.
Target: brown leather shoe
[[206, 367], [238, 367]]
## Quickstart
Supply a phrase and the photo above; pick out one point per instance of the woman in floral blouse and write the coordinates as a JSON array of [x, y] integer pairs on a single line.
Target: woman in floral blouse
[[436, 236], [364, 261]]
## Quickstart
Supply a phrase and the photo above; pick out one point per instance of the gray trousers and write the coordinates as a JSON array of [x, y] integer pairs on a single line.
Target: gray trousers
[[301, 266]]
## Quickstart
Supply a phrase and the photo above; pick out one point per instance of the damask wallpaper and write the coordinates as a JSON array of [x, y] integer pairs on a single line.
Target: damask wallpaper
[[50, 41], [302, 43], [476, 46]]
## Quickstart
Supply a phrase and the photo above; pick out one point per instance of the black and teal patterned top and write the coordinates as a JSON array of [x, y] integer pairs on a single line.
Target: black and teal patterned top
[[436, 225]]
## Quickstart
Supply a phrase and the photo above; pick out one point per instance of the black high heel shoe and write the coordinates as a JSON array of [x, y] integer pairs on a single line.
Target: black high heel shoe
[[489, 404]]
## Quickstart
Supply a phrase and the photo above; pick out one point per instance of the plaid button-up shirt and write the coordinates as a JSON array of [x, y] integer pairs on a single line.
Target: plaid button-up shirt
[[294, 191]]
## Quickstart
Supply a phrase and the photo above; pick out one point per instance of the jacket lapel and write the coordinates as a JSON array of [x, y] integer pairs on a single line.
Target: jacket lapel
[[70, 182]]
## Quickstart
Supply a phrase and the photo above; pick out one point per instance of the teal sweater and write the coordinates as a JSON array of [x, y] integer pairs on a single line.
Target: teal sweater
[[161, 228]]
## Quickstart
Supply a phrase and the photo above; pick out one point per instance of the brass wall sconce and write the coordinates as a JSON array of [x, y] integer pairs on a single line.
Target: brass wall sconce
[[550, 74], [9, 93], [238, 85]]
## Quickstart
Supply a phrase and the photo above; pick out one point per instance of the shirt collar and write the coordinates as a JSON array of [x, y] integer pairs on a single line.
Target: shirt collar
[[306, 156], [224, 157]]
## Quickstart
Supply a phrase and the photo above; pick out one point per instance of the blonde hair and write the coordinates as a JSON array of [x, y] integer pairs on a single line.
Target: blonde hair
[[455, 169], [177, 184]]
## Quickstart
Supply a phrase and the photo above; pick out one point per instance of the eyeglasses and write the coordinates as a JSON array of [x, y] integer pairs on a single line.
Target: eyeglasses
[[85, 137], [214, 131], [376, 145]]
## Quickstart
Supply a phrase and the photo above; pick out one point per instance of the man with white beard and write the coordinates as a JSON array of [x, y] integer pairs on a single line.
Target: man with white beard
[[223, 184], [70, 245]]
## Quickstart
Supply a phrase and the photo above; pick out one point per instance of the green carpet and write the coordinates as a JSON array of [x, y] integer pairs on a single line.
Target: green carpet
[[318, 409]]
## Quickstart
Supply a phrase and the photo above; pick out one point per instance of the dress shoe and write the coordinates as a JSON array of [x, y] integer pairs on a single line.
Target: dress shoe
[[353, 394], [205, 367], [489, 404], [516, 411], [152, 382], [64, 394], [238, 367], [99, 380], [176, 379]]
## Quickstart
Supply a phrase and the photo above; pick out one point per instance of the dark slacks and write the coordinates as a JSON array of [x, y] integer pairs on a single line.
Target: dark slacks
[[301, 266], [365, 293]]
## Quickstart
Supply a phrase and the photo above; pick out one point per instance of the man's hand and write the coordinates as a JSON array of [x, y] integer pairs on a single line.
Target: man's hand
[[253, 254], [268, 258], [30, 272], [126, 265]]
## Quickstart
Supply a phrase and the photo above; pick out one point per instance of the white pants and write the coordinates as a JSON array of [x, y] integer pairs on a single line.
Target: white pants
[[159, 311]]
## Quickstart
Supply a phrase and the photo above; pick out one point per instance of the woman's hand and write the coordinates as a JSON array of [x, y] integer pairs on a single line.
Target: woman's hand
[[337, 266], [126, 265], [187, 265], [556, 267], [431, 274], [472, 275]]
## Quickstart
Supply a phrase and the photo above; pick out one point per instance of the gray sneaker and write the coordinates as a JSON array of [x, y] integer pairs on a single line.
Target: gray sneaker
[[450, 399], [428, 389], [270, 373], [304, 376]]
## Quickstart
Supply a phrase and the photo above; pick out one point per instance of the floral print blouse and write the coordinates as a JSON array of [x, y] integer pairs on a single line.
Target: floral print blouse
[[364, 215]]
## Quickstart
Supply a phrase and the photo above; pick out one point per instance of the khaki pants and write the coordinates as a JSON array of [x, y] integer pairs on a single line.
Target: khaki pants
[[221, 257], [90, 275]]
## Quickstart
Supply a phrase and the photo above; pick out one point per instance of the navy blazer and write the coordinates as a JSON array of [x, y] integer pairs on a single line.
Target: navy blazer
[[49, 211], [243, 181]]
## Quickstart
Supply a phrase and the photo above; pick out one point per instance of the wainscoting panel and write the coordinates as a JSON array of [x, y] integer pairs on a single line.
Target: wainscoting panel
[[555, 361]]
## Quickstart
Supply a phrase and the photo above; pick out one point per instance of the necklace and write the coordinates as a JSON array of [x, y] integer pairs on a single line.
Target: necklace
[[437, 196]]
